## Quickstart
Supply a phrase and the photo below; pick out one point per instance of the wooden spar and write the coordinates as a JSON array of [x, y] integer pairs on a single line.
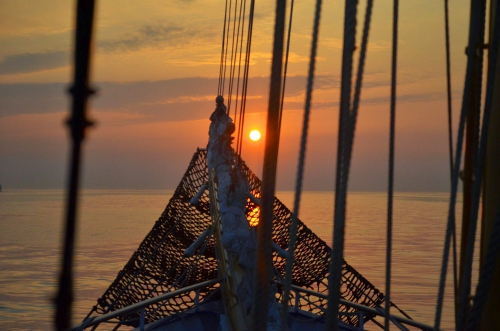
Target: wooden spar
[[471, 139], [491, 196], [77, 123], [265, 226]]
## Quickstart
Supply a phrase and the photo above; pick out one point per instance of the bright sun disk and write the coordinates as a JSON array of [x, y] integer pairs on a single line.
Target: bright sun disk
[[255, 135]]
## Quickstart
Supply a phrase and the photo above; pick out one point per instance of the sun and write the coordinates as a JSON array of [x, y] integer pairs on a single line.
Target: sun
[[255, 135]]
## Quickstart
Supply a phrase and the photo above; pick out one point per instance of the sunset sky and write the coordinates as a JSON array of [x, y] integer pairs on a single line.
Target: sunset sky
[[156, 66]]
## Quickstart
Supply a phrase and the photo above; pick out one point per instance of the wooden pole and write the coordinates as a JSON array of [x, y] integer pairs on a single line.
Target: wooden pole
[[77, 123], [471, 140], [265, 226], [491, 196]]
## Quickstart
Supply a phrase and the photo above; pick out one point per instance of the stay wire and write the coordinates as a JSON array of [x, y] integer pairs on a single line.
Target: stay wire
[[479, 152], [391, 166], [219, 88], [472, 42], [286, 62], [227, 42], [239, 62], [337, 253], [247, 68], [240, 116], [301, 164], [233, 53], [450, 142]]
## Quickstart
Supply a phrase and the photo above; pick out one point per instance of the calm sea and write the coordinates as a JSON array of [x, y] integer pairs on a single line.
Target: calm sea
[[112, 223]]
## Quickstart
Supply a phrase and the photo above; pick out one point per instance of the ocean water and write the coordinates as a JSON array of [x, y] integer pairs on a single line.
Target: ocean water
[[112, 224]]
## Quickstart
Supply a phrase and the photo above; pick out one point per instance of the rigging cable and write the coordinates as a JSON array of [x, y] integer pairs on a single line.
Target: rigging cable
[[245, 78], [391, 166], [337, 253], [227, 42], [239, 63], [233, 54], [477, 178], [450, 143], [472, 42], [302, 155], [286, 62], [219, 88], [493, 250]]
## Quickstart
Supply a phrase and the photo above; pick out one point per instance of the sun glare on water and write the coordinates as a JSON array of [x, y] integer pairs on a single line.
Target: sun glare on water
[[255, 135]]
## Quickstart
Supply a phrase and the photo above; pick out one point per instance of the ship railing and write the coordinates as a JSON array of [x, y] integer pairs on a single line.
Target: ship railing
[[305, 296], [96, 320], [300, 295]]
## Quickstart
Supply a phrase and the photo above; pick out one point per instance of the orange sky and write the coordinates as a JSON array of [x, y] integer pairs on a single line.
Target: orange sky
[[156, 65]]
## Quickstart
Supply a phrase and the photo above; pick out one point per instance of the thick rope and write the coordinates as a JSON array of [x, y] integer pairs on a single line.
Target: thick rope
[[456, 166], [219, 88], [239, 62], [478, 173], [265, 226], [390, 192], [335, 267], [245, 76], [227, 42], [493, 250], [233, 56], [450, 140], [290, 19], [302, 157]]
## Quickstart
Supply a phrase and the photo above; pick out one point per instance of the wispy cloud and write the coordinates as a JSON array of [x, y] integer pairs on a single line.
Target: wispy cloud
[[182, 99], [156, 35], [31, 62]]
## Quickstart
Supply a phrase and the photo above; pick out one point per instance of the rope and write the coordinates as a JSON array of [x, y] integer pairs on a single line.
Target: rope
[[456, 166], [450, 141], [302, 156], [265, 226], [233, 60], [219, 88], [335, 267], [491, 256], [239, 63], [478, 167], [286, 63], [391, 166], [245, 78], [227, 41]]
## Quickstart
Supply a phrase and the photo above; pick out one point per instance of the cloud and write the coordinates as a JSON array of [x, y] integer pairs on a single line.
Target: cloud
[[157, 35], [182, 99], [31, 62]]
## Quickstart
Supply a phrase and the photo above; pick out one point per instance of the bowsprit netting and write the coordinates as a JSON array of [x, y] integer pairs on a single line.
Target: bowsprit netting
[[159, 264]]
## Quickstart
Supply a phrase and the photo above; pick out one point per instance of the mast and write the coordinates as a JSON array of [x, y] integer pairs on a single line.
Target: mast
[[471, 142], [491, 195]]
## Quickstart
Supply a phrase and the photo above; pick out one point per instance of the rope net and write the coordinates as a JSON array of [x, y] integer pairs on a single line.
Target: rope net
[[159, 264]]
